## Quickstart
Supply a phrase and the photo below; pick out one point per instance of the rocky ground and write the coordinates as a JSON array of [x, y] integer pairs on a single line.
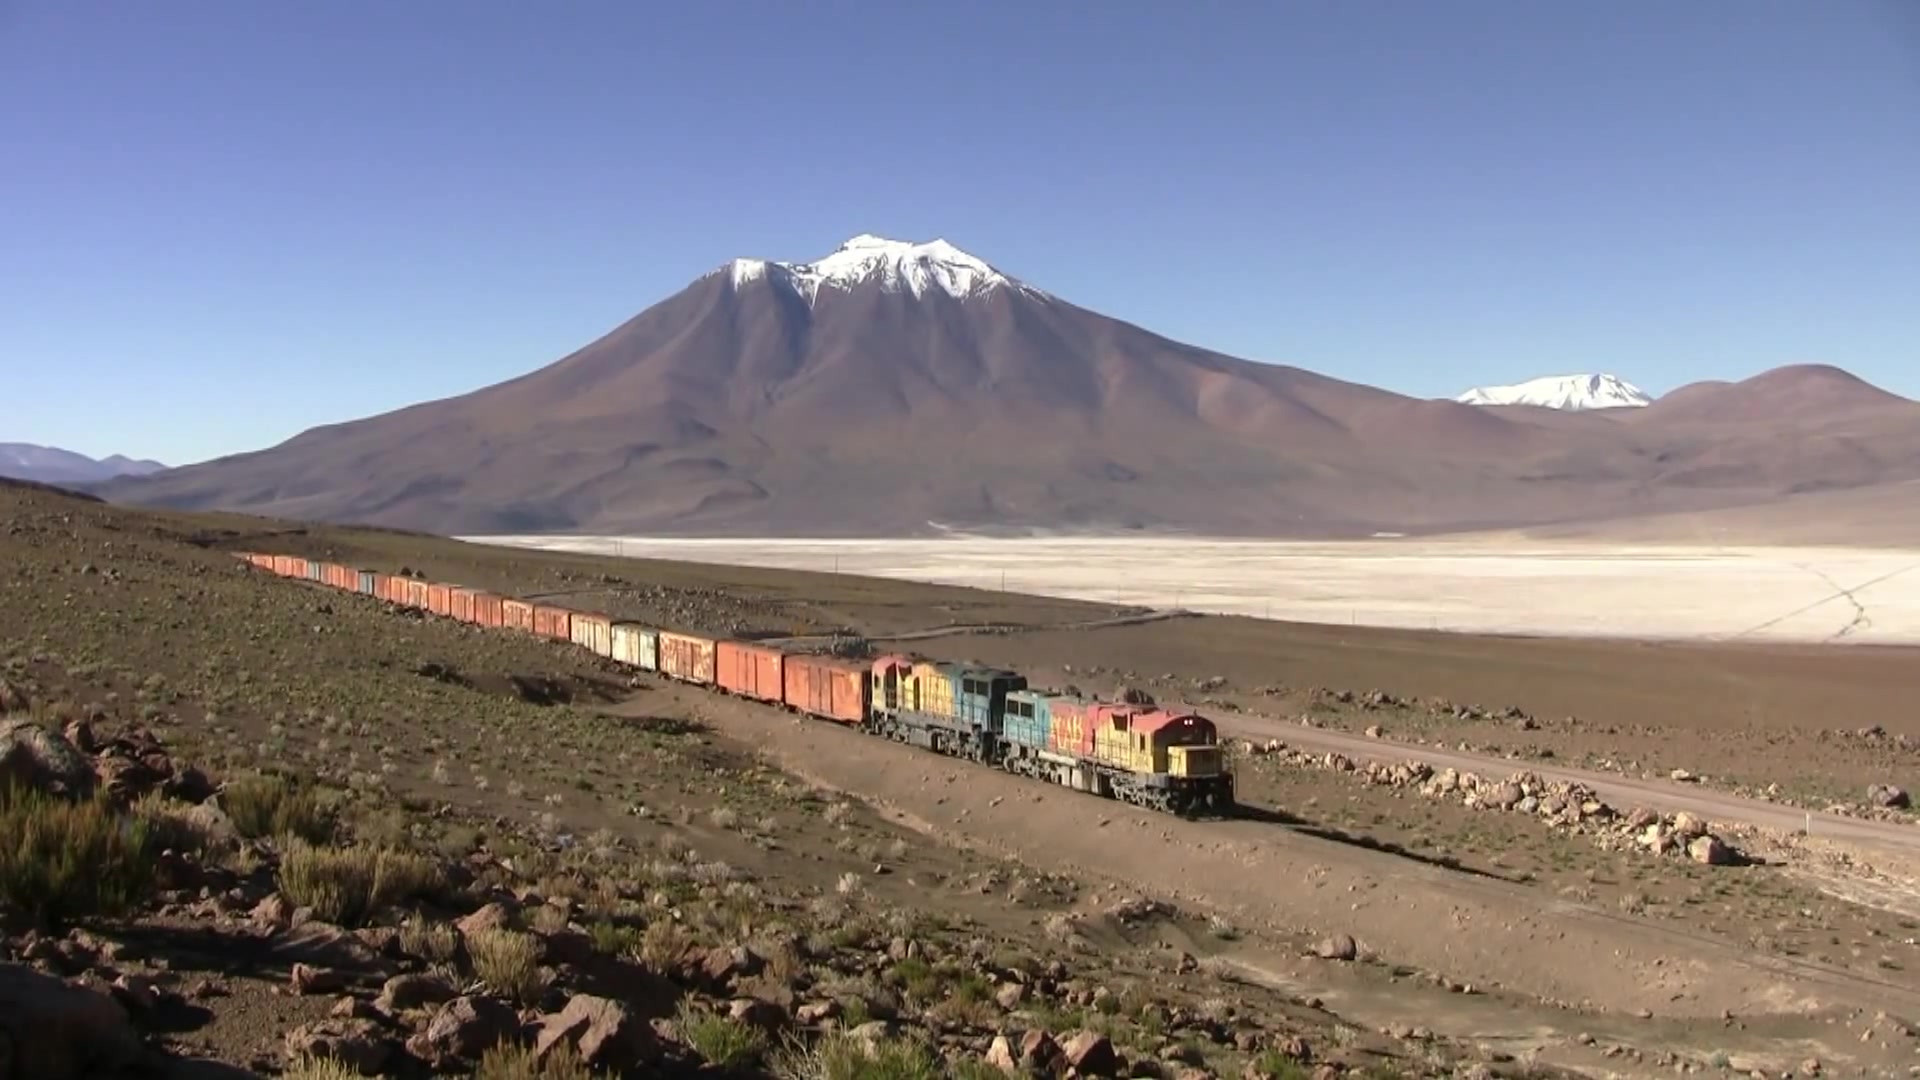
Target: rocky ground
[[415, 842]]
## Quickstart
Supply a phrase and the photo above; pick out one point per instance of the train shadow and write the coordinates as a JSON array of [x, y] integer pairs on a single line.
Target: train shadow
[[1270, 816]]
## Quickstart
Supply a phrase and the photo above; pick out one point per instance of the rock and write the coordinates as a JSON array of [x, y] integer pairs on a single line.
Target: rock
[[353, 1008], [1010, 996], [189, 785], [757, 1013], [605, 1033], [1709, 851], [212, 823], [1686, 826], [494, 916], [1337, 947], [326, 945], [1000, 1055], [13, 699], [307, 979], [274, 912], [1505, 795], [123, 778], [32, 756], [721, 966], [1038, 1050], [1888, 797], [413, 991], [1091, 1054], [813, 1012], [51, 1030], [1682, 776], [463, 1029], [357, 1044], [873, 1031], [137, 993]]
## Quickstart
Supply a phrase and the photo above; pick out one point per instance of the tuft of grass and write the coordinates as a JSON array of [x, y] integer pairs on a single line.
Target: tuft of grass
[[436, 943], [61, 860], [348, 886], [320, 1068], [1274, 1065], [170, 824], [664, 946], [509, 962], [614, 939], [842, 1057], [510, 1061], [267, 806], [722, 1041]]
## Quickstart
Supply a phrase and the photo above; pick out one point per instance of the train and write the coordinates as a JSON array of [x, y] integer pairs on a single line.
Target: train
[[1165, 759]]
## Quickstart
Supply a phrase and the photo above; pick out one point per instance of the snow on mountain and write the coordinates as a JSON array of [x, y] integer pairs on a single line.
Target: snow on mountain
[[894, 265], [47, 464], [1563, 392]]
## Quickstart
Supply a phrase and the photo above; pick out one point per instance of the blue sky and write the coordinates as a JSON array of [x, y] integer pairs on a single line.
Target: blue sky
[[225, 221]]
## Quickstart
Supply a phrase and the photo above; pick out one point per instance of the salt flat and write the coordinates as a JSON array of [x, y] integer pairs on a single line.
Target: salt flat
[[1500, 585]]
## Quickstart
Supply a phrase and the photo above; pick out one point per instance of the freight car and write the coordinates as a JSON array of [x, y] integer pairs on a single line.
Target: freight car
[[1162, 759]]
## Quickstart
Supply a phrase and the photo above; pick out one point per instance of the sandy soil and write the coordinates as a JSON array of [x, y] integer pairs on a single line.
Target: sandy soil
[[1506, 586]]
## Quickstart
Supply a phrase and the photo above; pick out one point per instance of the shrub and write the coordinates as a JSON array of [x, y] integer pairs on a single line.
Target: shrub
[[508, 1061], [62, 860], [170, 824], [348, 886], [721, 1040], [842, 1057], [272, 806], [436, 943], [509, 962], [320, 1068]]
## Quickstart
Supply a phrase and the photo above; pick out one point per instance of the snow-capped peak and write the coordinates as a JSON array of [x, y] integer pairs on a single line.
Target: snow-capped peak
[[1563, 392], [893, 265]]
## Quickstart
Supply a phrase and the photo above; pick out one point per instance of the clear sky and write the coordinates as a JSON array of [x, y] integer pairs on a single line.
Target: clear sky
[[225, 221]]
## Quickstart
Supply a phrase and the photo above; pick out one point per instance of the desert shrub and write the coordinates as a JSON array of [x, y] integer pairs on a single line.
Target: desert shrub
[[842, 1057], [348, 886], [665, 945], [509, 962], [272, 806], [170, 824], [615, 939], [509, 1061], [436, 943], [62, 860], [1273, 1065], [320, 1068], [722, 1041]]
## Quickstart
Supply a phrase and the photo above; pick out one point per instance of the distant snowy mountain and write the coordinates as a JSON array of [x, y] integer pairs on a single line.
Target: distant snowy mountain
[[1563, 392], [50, 465], [894, 265]]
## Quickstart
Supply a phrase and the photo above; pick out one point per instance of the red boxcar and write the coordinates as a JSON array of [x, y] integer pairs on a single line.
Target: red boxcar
[[460, 604], [824, 687], [516, 614], [417, 593], [440, 598], [553, 622], [687, 657], [749, 670], [488, 608], [391, 588], [343, 577]]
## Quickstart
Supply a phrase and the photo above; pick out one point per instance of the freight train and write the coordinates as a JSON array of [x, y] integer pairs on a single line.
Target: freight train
[[1163, 759]]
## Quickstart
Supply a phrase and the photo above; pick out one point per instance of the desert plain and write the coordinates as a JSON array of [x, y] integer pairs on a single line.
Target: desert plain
[[1482, 584]]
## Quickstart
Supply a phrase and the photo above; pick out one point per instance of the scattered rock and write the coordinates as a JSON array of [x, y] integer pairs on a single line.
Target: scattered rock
[[1888, 797], [494, 916], [357, 1044], [605, 1033], [413, 991], [1337, 947], [32, 756], [1709, 851], [1001, 1055], [326, 945], [1091, 1054], [1010, 996], [463, 1029], [55, 1031], [307, 979]]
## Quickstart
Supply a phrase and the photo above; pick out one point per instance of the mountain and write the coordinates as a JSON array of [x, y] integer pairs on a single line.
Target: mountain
[[48, 465], [1563, 392], [898, 388]]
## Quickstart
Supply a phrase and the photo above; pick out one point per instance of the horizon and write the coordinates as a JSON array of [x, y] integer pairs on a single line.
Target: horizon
[[1481, 195]]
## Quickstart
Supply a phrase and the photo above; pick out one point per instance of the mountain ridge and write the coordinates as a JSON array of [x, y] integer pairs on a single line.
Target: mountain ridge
[[1570, 392], [902, 385], [53, 465]]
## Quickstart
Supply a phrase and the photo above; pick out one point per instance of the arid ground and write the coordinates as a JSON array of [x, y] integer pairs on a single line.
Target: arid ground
[[1506, 585], [1501, 923]]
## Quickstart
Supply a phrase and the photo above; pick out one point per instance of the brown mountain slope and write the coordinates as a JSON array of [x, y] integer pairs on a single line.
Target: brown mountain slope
[[768, 402]]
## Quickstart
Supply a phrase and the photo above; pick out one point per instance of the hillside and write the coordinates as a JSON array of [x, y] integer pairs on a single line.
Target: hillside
[[52, 465], [895, 389]]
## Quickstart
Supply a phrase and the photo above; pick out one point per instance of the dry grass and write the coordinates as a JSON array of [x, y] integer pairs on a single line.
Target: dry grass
[[722, 1041], [62, 860], [509, 1061], [509, 962], [348, 886], [323, 1068], [271, 806]]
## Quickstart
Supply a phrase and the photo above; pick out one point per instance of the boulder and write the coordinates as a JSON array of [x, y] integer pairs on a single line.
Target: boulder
[[603, 1031], [1888, 797], [413, 991], [1038, 1050], [35, 757], [1000, 1055], [326, 945], [1686, 826], [463, 1029], [1337, 947], [494, 916], [1092, 1054], [1010, 995], [307, 979], [758, 1013], [1710, 851], [51, 1030], [357, 1044]]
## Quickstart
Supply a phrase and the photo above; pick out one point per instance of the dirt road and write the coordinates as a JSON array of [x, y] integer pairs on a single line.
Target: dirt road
[[1623, 791]]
